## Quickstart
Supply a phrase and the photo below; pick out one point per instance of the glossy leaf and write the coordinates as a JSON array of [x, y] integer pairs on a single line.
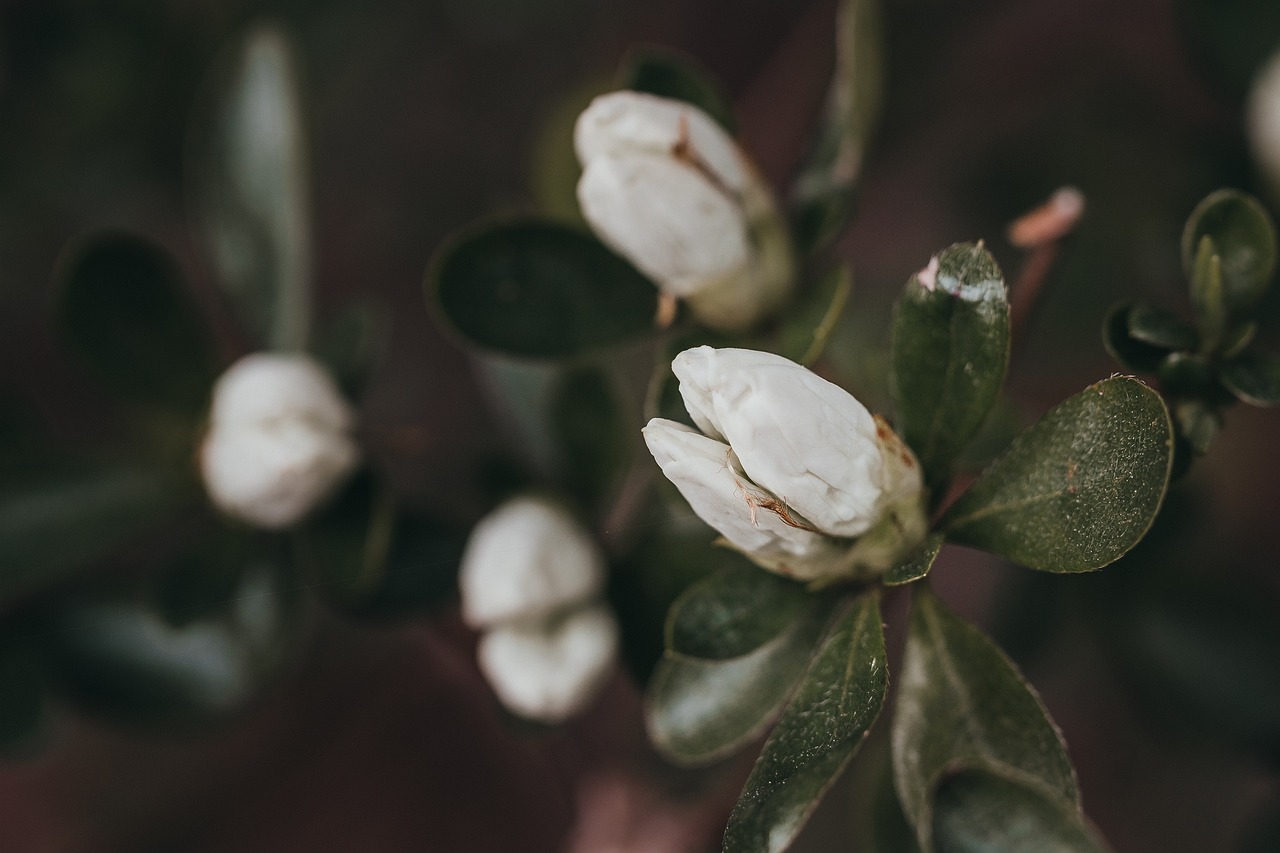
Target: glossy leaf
[[1078, 488], [594, 440], [822, 197], [1242, 235], [351, 344], [125, 312], [732, 613], [950, 352], [818, 734], [982, 812], [253, 178], [1254, 378], [60, 523], [962, 704], [698, 712], [534, 289], [118, 657], [670, 74], [917, 564]]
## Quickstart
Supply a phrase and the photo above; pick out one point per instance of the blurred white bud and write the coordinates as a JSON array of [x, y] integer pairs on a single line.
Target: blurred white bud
[[796, 473], [548, 671], [667, 188], [527, 559], [279, 439], [1262, 121]]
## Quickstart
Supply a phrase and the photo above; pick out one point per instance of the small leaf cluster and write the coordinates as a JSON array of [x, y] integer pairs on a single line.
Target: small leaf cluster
[[1209, 363]]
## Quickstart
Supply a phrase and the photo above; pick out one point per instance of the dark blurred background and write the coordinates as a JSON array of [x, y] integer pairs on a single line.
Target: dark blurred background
[[424, 116]]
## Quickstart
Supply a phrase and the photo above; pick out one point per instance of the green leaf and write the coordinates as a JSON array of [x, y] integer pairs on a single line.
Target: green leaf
[[698, 712], [671, 74], [1078, 488], [950, 352], [346, 545], [594, 440], [808, 326], [254, 194], [124, 311], [977, 811], [534, 289], [1187, 374], [1208, 294], [1197, 422], [420, 571], [116, 656], [1254, 378], [351, 344], [818, 734], [59, 523], [1160, 328], [732, 613], [962, 704], [1243, 236], [917, 564], [822, 197]]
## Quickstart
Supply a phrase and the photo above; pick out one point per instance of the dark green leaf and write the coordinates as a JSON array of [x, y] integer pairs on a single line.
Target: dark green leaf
[[351, 345], [420, 573], [808, 326], [119, 657], [950, 351], [1078, 488], [1197, 423], [821, 729], [1132, 354], [254, 196], [732, 613], [978, 811], [917, 564], [1208, 294], [700, 711], [961, 705], [346, 545], [1186, 374], [1242, 236], [536, 289], [593, 436], [57, 524], [670, 74], [125, 312], [822, 197], [1160, 328], [1254, 378]]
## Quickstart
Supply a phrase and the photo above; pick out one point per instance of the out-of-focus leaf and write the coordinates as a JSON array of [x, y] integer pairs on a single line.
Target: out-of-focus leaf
[[594, 441], [732, 613], [950, 352], [1241, 233], [124, 311], [534, 289], [700, 711], [977, 811], [822, 197], [917, 564], [819, 732], [961, 705], [55, 525], [1197, 424], [420, 573], [554, 169], [1160, 328], [671, 74], [119, 657], [808, 326], [24, 707], [351, 345], [347, 544], [1078, 488], [1254, 378], [1187, 374], [252, 172]]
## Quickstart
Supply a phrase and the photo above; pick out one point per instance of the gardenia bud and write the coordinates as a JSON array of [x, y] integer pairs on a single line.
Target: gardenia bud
[[549, 672], [279, 439], [666, 187], [792, 470], [525, 560], [1263, 121]]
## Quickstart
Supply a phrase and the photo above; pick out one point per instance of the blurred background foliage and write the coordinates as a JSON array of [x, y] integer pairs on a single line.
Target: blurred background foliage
[[422, 118]]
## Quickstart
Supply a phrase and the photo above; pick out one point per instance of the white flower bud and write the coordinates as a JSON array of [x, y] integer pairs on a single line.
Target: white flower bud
[[525, 560], [667, 188], [279, 439], [1262, 121], [797, 467], [549, 672]]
